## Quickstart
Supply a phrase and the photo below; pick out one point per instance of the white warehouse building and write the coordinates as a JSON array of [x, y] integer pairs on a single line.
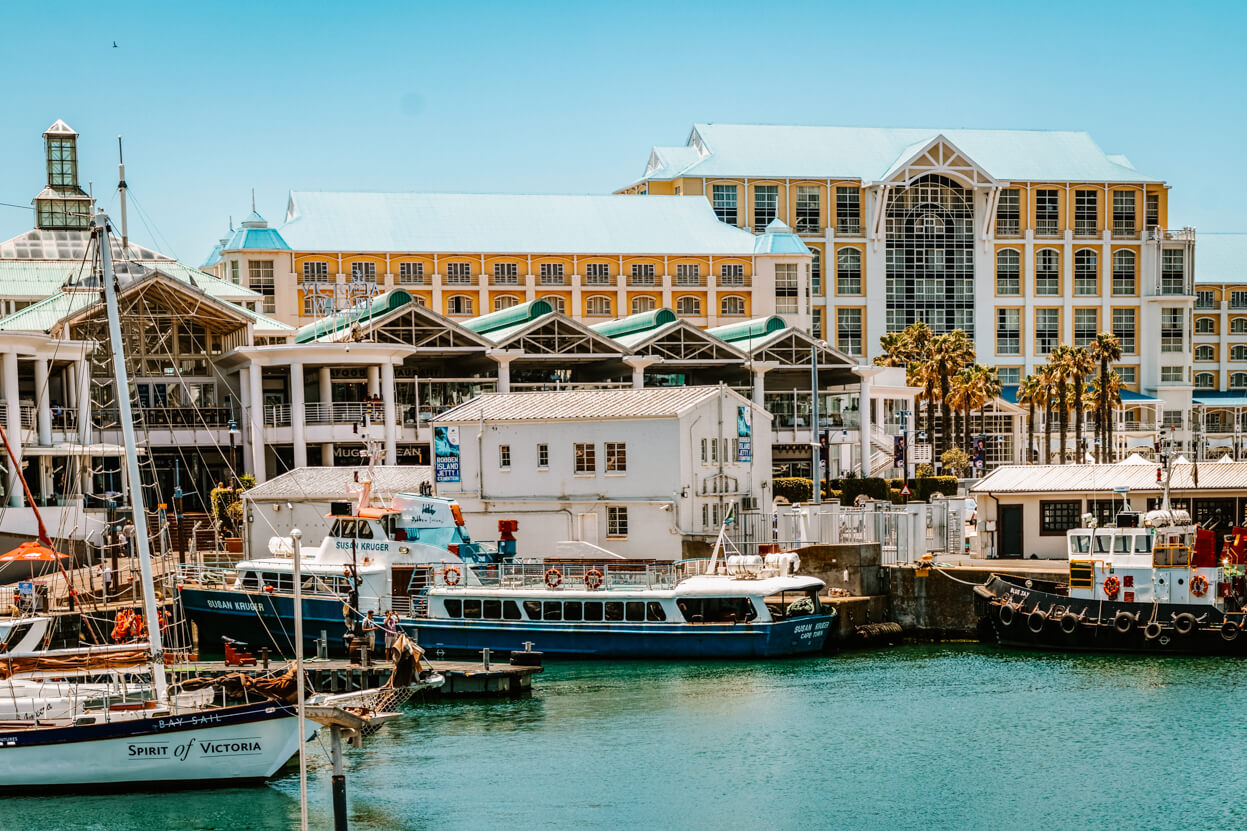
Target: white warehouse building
[[644, 473]]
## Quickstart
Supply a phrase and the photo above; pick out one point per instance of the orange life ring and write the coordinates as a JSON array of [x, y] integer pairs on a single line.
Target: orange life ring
[[1199, 585], [451, 575], [1111, 586], [554, 578], [593, 579]]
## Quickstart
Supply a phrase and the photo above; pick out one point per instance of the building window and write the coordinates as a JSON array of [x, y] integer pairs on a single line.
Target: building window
[[62, 162], [316, 271], [507, 274], [543, 455], [732, 306], [643, 274], [557, 303], [1172, 418], [1123, 213], [1009, 213], [1238, 300], [1172, 276], [1205, 353], [505, 301], [411, 274], [364, 272], [459, 304], [616, 521], [1205, 380], [786, 289], [1205, 299], [724, 200], [599, 305], [1123, 329], [1205, 326], [586, 458], [1123, 273], [260, 278], [688, 306], [808, 219], [314, 305], [1047, 212], [1086, 325], [1172, 374], [816, 271], [848, 211], [1238, 352], [504, 456], [765, 205], [616, 457], [688, 274], [459, 273], [644, 303], [233, 272], [1086, 209], [1238, 326], [1048, 273], [1058, 516], [1172, 332], [1008, 332], [1009, 375], [731, 274], [1008, 273], [816, 323], [1127, 374], [848, 271], [1152, 201], [1086, 273], [1238, 380], [552, 274], [598, 274], [849, 331], [1047, 330]]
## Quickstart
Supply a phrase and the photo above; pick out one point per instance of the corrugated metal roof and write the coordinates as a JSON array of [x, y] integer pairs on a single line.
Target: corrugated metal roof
[[779, 239], [1221, 258], [574, 405], [331, 482], [264, 239], [1230, 398], [1105, 478], [42, 316], [459, 223], [785, 151]]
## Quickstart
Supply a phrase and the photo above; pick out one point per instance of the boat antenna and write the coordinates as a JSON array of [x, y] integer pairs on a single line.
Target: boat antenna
[[134, 482], [121, 188]]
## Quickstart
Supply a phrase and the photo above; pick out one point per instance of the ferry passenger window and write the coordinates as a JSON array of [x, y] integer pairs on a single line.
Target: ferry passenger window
[[363, 530], [493, 609], [532, 608], [1082, 543], [1121, 545], [1102, 543], [1142, 544], [636, 610], [472, 608], [346, 528], [614, 611], [553, 610], [454, 608], [593, 610], [655, 612], [572, 610], [511, 610]]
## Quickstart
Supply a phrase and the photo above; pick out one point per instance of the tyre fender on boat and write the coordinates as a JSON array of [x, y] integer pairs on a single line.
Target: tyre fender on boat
[[1069, 623], [1184, 624], [1229, 630], [1152, 630], [1035, 621], [1006, 613], [1124, 622]]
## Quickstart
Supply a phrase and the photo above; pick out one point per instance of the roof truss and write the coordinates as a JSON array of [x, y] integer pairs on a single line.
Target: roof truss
[[419, 326], [791, 348], [940, 156], [557, 335], [683, 343], [160, 297]]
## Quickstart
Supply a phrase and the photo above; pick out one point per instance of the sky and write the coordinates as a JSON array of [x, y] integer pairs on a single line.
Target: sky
[[217, 99]]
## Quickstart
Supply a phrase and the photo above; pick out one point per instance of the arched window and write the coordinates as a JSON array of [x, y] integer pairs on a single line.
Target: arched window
[[644, 303], [1123, 273], [732, 306], [505, 301], [1238, 326], [599, 305], [1008, 273], [1238, 353], [1086, 273], [688, 306], [459, 304], [557, 302], [1204, 380], [1205, 326], [848, 271], [1204, 353], [1238, 380], [1048, 272]]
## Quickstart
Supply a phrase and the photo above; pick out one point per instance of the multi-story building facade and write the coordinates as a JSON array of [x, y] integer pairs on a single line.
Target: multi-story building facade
[[1025, 239], [593, 258]]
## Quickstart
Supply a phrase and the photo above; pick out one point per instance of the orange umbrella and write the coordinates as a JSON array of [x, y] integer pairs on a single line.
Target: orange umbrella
[[32, 552]]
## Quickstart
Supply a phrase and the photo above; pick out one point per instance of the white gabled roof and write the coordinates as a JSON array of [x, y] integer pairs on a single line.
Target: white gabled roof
[[468, 223], [1104, 479], [576, 405], [322, 483]]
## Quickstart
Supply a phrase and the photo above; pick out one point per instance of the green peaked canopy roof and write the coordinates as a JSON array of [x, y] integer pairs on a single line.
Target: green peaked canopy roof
[[759, 327], [640, 322], [504, 318]]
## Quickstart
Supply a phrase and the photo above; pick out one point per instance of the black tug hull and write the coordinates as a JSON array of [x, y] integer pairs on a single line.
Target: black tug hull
[[1031, 614]]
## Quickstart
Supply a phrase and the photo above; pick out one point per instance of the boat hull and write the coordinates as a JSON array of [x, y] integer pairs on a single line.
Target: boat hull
[[265, 620], [231, 745], [1097, 628]]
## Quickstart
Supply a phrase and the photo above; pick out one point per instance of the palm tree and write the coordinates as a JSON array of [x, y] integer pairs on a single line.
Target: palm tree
[[1105, 349], [949, 353], [1059, 360], [1030, 392], [1079, 364], [989, 387], [893, 346], [961, 391], [1105, 395], [911, 348], [1047, 376]]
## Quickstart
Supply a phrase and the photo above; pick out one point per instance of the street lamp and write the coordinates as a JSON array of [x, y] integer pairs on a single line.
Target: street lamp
[[903, 415], [233, 451]]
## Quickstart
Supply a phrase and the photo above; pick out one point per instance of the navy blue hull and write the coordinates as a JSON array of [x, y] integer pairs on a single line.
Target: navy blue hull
[[267, 620]]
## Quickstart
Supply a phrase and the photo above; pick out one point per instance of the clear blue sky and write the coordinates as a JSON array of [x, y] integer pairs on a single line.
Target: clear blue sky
[[217, 98]]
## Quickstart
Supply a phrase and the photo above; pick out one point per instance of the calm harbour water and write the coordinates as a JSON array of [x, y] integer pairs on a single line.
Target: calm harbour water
[[915, 737]]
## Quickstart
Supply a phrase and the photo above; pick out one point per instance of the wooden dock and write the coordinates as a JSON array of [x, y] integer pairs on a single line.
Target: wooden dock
[[464, 679]]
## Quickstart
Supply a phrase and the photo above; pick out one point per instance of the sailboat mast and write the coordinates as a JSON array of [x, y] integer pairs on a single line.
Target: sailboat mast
[[121, 378]]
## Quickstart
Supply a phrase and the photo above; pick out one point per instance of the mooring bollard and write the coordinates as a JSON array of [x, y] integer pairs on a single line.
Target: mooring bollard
[[485, 657], [264, 656], [322, 646]]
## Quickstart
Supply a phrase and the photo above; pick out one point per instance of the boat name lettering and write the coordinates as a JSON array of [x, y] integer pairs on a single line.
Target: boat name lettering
[[809, 630], [362, 546], [148, 750], [240, 605]]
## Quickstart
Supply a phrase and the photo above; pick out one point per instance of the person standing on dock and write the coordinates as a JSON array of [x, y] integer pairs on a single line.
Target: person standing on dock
[[390, 626], [370, 632]]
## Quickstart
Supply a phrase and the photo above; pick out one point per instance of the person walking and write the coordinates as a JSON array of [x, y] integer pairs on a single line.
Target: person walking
[[390, 626], [106, 576]]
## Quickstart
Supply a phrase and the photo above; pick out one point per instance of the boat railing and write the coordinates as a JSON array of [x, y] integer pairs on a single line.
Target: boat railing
[[206, 576], [572, 576]]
